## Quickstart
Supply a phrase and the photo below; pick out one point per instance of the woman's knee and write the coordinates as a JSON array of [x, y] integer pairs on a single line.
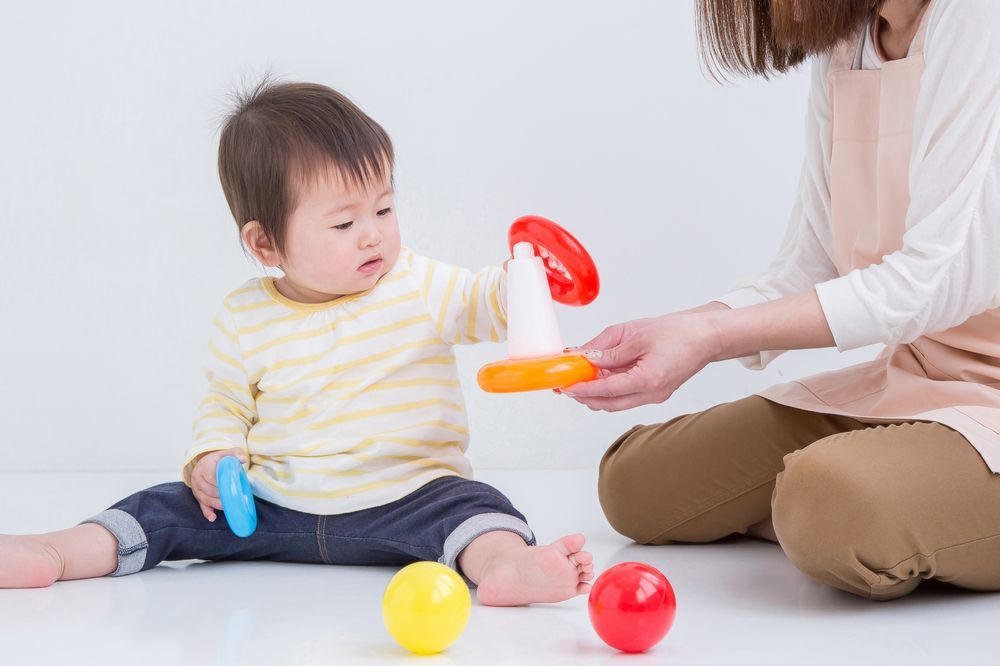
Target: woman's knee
[[696, 478], [624, 473], [652, 490], [833, 522]]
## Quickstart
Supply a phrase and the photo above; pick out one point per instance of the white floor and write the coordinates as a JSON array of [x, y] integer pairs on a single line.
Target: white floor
[[738, 602]]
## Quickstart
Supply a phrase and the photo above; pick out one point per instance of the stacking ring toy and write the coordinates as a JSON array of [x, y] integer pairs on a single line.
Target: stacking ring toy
[[555, 267], [572, 274], [237, 498]]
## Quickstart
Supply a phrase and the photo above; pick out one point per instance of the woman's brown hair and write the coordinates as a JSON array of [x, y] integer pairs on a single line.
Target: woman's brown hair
[[763, 37]]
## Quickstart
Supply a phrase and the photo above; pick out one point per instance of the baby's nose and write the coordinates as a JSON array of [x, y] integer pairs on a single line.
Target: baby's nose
[[373, 236]]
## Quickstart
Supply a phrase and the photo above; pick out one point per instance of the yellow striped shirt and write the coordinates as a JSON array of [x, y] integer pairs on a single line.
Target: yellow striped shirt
[[349, 404]]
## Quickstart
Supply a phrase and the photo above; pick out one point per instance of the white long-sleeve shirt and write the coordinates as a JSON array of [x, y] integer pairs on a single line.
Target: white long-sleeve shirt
[[949, 266], [354, 403]]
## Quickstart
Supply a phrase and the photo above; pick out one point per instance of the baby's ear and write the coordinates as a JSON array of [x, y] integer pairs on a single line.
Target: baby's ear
[[257, 241]]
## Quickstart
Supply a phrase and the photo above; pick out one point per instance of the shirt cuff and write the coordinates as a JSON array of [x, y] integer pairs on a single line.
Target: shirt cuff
[[851, 322], [742, 298]]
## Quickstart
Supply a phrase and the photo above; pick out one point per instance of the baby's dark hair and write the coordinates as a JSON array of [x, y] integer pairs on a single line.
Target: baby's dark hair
[[281, 134]]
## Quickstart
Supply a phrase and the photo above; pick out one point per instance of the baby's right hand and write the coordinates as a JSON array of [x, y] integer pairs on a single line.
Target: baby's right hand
[[203, 483]]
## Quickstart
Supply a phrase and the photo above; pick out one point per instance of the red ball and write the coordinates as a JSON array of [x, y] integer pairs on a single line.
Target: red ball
[[632, 606]]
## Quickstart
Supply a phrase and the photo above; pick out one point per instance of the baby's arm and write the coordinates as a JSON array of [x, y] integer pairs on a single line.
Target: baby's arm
[[466, 307], [224, 416]]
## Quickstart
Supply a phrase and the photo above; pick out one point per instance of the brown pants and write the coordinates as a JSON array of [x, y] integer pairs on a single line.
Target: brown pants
[[868, 509]]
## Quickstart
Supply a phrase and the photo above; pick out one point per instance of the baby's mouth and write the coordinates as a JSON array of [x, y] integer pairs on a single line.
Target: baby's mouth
[[372, 264]]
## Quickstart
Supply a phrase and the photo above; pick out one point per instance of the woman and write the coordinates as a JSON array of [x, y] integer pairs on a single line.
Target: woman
[[882, 474]]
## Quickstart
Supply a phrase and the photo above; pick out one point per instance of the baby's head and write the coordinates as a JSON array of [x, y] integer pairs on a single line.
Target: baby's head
[[308, 178]]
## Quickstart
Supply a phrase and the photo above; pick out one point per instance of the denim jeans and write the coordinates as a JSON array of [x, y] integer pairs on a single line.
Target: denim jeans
[[435, 523]]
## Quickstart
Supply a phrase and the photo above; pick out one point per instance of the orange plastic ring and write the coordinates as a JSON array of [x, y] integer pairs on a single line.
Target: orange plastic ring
[[535, 374]]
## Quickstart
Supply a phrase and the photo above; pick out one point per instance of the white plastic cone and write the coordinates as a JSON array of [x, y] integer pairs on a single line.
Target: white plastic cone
[[532, 329]]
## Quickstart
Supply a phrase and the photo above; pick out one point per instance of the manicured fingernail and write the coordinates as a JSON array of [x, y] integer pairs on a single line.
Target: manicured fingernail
[[592, 354]]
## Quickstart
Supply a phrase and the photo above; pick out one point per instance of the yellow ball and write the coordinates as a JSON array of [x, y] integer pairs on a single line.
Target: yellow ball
[[426, 607]]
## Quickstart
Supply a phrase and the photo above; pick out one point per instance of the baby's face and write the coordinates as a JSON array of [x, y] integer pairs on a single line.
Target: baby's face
[[340, 239]]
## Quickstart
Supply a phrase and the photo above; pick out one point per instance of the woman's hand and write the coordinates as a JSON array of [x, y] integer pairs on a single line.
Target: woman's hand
[[203, 483], [646, 360]]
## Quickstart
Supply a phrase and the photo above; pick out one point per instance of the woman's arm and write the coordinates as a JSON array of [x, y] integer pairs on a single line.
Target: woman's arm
[[646, 360], [793, 322]]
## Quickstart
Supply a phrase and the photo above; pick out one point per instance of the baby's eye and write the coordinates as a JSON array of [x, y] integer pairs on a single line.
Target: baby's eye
[[345, 226], [384, 212]]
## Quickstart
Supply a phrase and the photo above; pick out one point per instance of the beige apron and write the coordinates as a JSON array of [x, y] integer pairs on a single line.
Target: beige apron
[[952, 377]]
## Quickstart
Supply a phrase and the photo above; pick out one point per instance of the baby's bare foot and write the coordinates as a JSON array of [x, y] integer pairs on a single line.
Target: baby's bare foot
[[538, 574], [27, 562]]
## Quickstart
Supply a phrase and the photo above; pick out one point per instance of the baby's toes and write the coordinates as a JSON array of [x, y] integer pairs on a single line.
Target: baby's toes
[[570, 545], [583, 557]]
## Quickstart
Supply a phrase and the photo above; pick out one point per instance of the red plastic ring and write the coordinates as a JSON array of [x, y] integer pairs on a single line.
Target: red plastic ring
[[545, 234]]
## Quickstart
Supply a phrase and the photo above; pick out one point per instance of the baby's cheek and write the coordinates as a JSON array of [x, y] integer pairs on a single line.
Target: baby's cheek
[[331, 265], [390, 253]]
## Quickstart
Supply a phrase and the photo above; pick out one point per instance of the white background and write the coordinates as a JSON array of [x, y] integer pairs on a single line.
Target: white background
[[118, 245]]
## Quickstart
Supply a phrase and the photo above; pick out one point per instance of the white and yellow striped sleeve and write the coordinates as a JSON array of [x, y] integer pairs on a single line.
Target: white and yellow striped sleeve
[[466, 307], [228, 410]]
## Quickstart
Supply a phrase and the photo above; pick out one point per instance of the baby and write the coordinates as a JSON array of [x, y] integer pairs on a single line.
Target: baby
[[335, 384]]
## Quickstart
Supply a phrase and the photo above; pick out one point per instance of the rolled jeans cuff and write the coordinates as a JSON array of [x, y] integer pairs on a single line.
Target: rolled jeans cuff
[[131, 538], [475, 527]]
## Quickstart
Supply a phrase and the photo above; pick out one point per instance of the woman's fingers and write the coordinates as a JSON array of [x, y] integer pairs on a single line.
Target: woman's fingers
[[611, 386], [619, 356], [643, 361], [617, 404], [609, 337]]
